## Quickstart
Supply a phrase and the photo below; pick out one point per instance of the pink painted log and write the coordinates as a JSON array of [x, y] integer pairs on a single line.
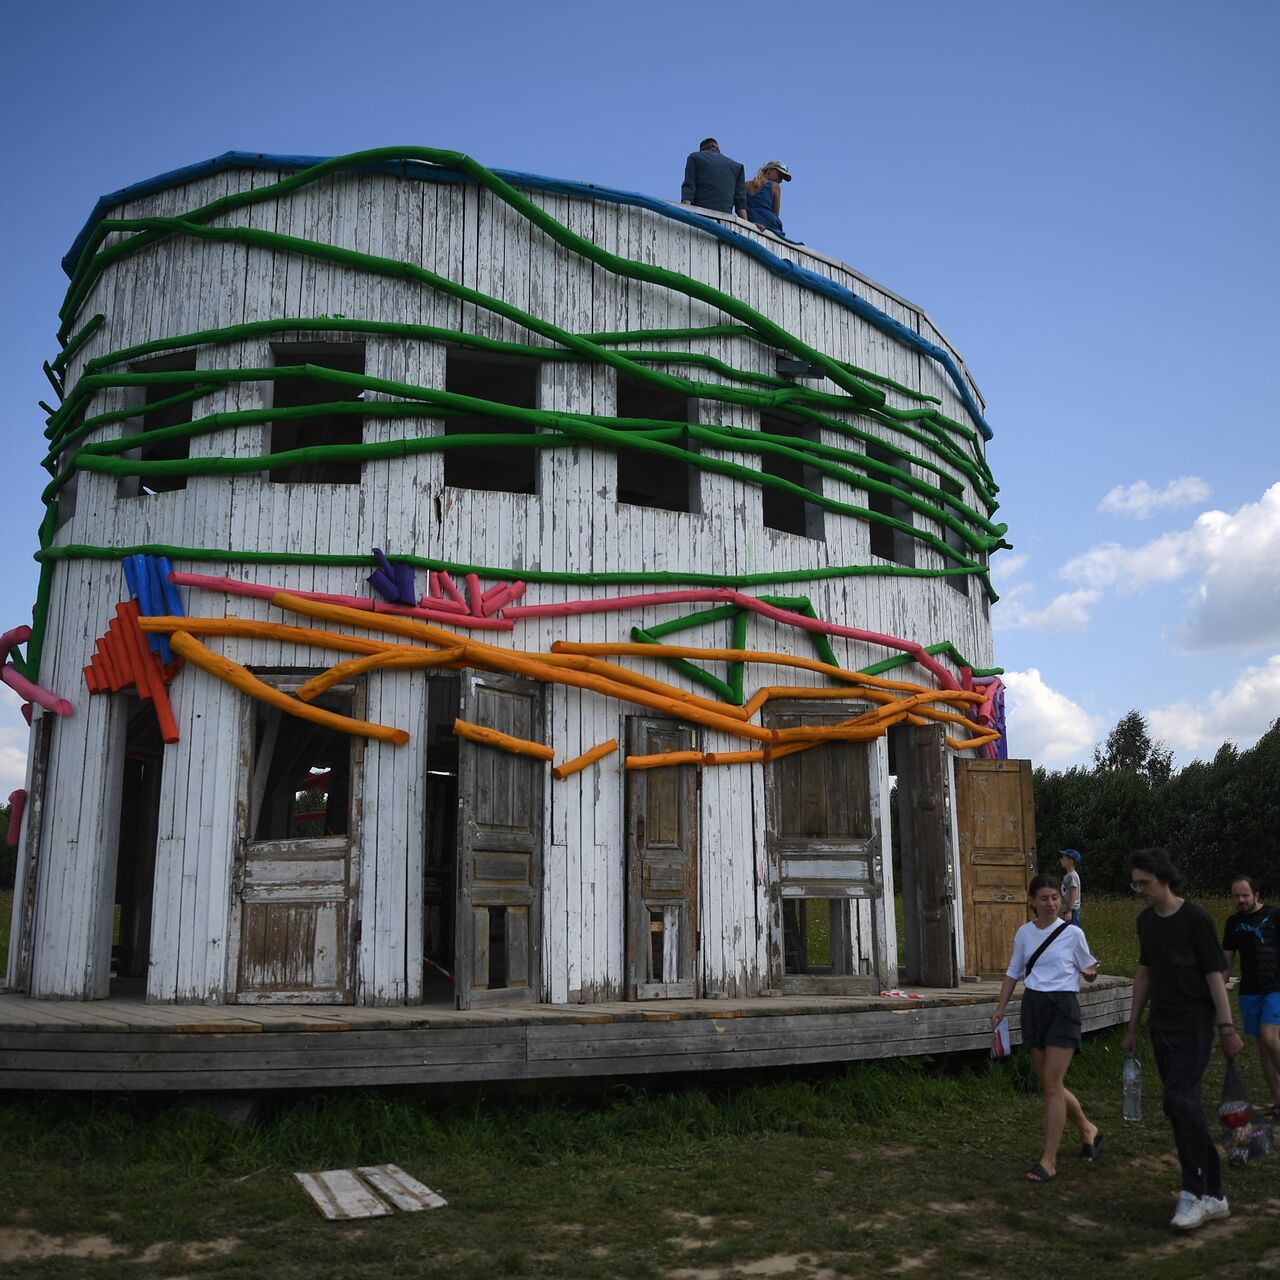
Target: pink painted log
[[17, 806], [231, 587], [474, 595], [446, 585], [34, 692], [26, 713], [441, 604], [726, 595]]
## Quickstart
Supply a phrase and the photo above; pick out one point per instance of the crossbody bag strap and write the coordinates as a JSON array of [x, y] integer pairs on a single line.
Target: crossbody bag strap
[[1040, 950]]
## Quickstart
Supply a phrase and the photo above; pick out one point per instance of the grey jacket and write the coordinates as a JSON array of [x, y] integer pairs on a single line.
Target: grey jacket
[[713, 181]]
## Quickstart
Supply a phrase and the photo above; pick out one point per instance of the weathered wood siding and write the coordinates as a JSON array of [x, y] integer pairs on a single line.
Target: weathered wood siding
[[572, 524]]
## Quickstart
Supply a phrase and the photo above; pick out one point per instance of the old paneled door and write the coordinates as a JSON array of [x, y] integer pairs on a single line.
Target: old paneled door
[[499, 882], [293, 916], [824, 839], [662, 864], [928, 886], [995, 810]]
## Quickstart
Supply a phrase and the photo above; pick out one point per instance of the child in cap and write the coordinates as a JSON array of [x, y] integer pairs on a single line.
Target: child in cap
[[1069, 860]]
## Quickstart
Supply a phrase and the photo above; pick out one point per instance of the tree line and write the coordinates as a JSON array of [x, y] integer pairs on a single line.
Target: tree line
[[1218, 818]]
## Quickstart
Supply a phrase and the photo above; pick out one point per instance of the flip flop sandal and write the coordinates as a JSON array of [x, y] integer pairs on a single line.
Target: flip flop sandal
[[1092, 1150], [1038, 1173]]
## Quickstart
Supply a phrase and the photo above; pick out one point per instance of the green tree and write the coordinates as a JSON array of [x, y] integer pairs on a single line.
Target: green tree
[[1129, 746]]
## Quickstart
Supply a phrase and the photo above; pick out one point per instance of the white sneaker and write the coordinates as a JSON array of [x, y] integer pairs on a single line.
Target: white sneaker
[[1190, 1213], [1214, 1207]]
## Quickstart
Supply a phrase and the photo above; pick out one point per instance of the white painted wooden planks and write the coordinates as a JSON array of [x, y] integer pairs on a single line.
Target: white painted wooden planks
[[339, 1194], [403, 1191], [574, 525]]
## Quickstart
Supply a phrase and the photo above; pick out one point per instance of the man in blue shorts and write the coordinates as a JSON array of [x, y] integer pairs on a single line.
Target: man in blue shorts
[[1254, 931]]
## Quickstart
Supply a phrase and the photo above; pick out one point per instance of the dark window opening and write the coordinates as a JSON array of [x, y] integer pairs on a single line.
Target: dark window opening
[[815, 936], [157, 415], [136, 849], [648, 479], [887, 542], [957, 581], [657, 943], [441, 849], [346, 428], [301, 785], [492, 467], [497, 948], [784, 510]]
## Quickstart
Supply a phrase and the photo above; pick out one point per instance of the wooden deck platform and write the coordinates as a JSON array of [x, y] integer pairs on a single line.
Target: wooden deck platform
[[130, 1046]]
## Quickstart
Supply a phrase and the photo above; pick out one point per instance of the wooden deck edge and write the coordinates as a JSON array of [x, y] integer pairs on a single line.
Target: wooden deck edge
[[154, 1058]]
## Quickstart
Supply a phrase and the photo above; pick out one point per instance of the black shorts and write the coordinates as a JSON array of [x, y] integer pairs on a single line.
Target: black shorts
[[1050, 1019]]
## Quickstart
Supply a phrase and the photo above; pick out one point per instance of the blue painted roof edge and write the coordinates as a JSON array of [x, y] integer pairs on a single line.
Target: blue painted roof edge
[[532, 181]]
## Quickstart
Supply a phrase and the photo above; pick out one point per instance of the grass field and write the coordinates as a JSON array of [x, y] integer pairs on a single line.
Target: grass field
[[875, 1170]]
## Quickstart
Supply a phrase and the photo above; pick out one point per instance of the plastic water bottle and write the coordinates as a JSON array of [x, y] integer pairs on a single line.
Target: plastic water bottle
[[1132, 1088]]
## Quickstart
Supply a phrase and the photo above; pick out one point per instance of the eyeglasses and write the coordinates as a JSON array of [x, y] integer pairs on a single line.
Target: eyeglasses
[[1138, 885]]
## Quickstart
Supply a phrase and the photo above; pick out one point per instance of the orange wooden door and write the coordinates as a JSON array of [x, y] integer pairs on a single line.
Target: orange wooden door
[[995, 813]]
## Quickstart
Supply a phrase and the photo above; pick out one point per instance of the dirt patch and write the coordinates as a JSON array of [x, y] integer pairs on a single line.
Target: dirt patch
[[694, 1219], [696, 1273], [895, 1152], [22, 1245], [823, 1175], [688, 1242], [1208, 1234], [909, 1265], [196, 1251]]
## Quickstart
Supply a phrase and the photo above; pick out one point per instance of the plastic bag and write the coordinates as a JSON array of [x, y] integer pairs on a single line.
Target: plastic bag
[[1235, 1109]]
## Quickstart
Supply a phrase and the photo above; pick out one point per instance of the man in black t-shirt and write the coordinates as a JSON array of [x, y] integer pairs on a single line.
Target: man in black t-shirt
[[1254, 931], [1180, 970]]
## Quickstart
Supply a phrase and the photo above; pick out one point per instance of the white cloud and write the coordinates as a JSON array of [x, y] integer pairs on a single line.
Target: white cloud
[[1044, 725], [1240, 714], [1235, 557], [1006, 565], [13, 744], [1067, 612], [1140, 501]]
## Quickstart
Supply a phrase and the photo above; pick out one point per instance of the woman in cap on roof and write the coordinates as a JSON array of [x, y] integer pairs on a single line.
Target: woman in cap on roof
[[1051, 956], [764, 196]]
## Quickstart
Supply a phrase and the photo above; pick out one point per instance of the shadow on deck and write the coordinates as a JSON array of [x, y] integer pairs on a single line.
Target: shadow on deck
[[127, 1045]]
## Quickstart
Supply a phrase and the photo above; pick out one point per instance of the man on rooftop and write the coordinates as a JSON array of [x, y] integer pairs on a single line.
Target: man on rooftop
[[713, 181]]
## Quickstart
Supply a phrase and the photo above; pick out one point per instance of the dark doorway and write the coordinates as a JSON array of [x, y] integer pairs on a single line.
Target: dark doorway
[[136, 851], [439, 863]]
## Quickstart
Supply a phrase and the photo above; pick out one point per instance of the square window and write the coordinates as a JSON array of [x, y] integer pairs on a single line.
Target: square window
[[338, 426], [887, 542], [166, 404], [648, 479], [785, 510], [498, 468]]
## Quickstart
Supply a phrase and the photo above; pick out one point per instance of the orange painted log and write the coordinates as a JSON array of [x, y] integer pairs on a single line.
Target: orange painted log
[[135, 646], [114, 682], [234, 674], [578, 763], [413, 659], [264, 631], [713, 758], [147, 669], [503, 741], [91, 678], [664, 758]]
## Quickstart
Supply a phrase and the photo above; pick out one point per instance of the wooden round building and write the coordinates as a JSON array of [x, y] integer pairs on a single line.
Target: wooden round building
[[467, 587]]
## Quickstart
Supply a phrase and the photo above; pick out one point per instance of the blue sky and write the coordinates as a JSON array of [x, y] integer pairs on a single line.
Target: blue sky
[[1083, 196]]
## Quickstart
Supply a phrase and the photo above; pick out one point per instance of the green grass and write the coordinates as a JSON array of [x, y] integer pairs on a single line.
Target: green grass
[[859, 1172]]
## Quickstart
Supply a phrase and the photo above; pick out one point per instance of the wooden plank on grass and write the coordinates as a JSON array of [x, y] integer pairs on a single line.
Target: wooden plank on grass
[[404, 1191], [338, 1194]]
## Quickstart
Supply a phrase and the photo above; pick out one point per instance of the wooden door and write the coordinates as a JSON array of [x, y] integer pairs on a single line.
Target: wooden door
[[824, 841], [662, 864], [499, 885], [293, 905], [924, 809], [995, 810]]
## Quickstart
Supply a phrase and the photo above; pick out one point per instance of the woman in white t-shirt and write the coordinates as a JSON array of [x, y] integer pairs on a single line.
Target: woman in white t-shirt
[[1051, 958]]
